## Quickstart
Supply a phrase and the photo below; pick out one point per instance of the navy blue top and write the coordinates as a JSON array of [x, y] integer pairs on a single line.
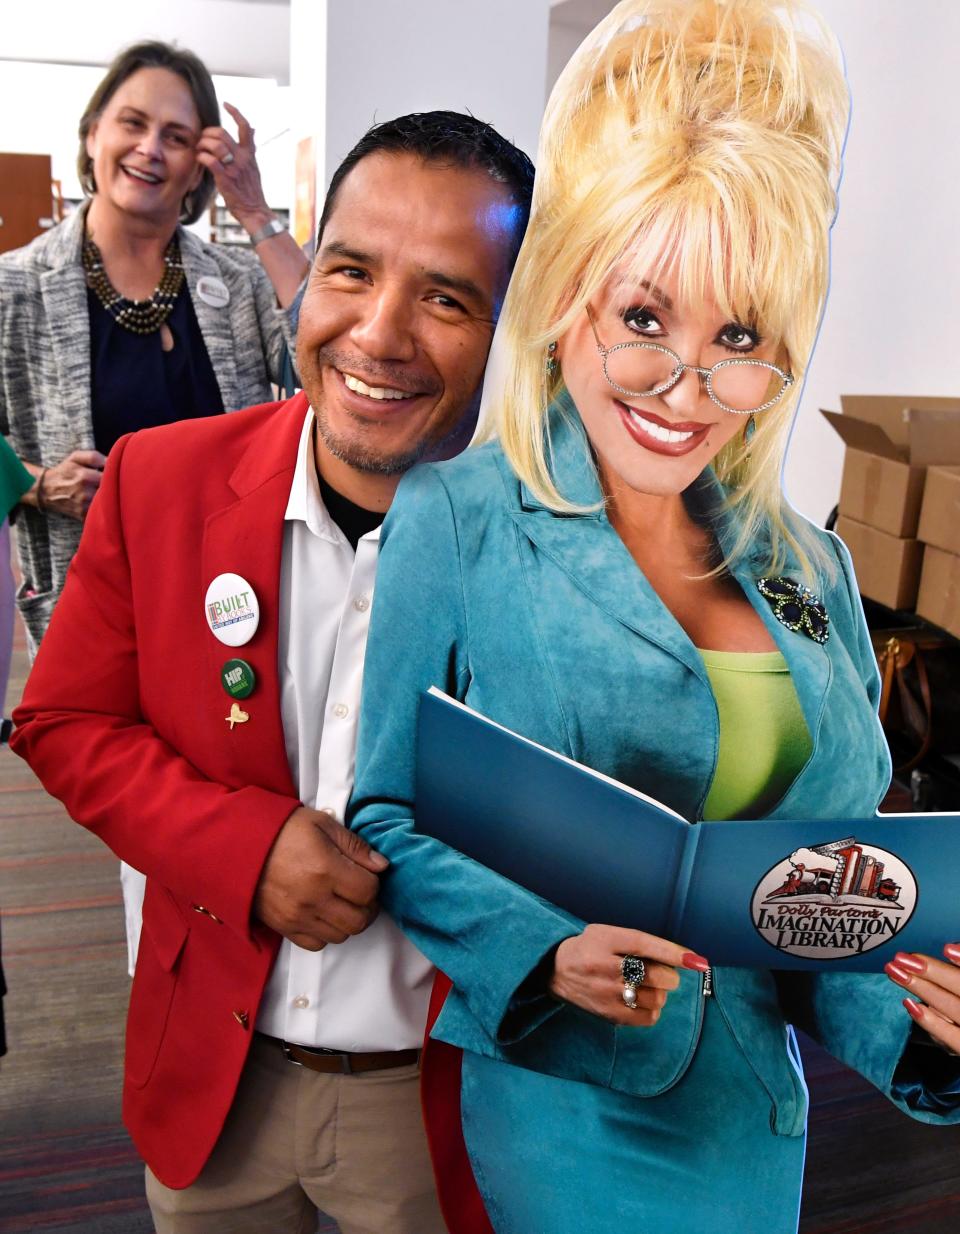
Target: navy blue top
[[136, 384]]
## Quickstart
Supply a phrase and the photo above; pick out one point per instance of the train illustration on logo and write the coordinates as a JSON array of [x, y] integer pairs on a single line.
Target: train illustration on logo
[[856, 873]]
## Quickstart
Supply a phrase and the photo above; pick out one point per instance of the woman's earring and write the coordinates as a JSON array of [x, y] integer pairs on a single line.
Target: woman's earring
[[748, 431], [551, 363]]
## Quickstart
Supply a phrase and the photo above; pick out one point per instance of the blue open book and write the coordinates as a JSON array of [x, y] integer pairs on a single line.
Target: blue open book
[[767, 893]]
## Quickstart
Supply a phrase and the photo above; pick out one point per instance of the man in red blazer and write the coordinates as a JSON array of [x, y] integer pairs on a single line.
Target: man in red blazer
[[193, 703]]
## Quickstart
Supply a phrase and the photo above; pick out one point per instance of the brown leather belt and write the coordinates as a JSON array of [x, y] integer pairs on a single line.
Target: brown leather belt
[[342, 1062]]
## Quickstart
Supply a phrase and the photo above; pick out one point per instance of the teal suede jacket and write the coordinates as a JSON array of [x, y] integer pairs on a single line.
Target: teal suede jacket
[[544, 623]]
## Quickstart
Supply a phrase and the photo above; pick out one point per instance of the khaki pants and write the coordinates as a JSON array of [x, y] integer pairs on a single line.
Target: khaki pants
[[296, 1141]]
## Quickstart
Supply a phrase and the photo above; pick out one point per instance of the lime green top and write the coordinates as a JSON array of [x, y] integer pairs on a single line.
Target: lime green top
[[764, 739]]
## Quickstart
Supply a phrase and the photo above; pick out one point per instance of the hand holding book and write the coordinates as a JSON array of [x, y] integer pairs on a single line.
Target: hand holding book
[[938, 984], [587, 972]]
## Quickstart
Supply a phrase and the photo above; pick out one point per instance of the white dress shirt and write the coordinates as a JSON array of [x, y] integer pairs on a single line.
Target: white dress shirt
[[371, 992]]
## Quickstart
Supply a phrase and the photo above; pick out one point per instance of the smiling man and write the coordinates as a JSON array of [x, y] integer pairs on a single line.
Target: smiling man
[[195, 704], [413, 260]]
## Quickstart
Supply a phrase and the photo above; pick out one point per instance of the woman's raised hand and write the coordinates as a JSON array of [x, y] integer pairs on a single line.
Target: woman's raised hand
[[587, 972], [233, 164], [938, 984]]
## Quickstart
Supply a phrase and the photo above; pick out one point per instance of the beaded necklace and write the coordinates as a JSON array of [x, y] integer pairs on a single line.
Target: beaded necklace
[[138, 316]]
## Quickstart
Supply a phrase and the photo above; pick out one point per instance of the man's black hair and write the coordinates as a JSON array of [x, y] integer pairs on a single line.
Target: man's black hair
[[449, 138]]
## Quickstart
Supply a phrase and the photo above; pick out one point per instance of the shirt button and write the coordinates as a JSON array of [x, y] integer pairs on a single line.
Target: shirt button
[[341, 710], [361, 604], [301, 1001], [328, 810]]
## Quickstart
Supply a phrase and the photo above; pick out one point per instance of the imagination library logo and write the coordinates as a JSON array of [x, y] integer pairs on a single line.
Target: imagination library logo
[[834, 900]]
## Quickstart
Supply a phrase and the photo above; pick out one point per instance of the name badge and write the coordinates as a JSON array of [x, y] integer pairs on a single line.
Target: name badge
[[213, 291]]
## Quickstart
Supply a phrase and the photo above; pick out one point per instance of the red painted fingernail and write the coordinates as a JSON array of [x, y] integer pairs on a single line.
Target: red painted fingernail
[[912, 963], [900, 975], [914, 1009], [698, 963], [952, 952]]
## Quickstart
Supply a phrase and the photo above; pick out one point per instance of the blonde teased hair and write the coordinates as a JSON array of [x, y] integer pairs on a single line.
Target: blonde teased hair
[[702, 135]]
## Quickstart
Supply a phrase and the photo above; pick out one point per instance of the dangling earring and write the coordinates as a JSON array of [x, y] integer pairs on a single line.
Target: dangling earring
[[551, 362], [748, 431]]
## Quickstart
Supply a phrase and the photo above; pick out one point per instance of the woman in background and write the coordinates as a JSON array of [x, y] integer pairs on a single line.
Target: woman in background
[[119, 318], [619, 578]]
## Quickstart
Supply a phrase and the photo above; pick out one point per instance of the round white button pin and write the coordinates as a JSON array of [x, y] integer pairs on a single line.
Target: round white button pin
[[232, 610], [213, 291]]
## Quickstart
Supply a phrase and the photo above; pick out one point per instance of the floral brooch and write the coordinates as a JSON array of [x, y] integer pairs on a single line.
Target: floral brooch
[[796, 607]]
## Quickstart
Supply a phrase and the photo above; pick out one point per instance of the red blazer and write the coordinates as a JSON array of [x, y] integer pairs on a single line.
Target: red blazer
[[123, 719]]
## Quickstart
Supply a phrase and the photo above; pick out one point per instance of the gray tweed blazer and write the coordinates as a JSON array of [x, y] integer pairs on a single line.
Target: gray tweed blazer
[[45, 399]]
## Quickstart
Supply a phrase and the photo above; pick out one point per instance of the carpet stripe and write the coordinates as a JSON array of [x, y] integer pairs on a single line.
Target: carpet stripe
[[64, 906]]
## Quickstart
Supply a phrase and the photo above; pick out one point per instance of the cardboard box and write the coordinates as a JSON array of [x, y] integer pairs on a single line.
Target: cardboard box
[[939, 598], [887, 567], [940, 514], [882, 492], [891, 439]]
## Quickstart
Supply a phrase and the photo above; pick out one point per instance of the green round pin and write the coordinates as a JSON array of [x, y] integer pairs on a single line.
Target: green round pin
[[238, 678]]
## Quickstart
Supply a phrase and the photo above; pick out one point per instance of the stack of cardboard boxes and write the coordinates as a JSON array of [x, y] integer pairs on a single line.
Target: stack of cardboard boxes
[[901, 491]]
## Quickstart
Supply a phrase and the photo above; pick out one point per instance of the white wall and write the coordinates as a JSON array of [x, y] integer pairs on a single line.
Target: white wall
[[353, 65], [386, 59], [893, 316], [565, 38], [249, 38]]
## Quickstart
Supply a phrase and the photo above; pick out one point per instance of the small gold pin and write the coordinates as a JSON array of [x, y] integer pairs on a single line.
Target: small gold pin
[[237, 716]]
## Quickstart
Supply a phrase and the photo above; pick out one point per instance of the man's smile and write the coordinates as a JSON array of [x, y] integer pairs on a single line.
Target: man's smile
[[376, 392]]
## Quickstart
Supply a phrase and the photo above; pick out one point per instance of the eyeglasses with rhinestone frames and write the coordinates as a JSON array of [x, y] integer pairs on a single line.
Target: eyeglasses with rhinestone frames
[[741, 385]]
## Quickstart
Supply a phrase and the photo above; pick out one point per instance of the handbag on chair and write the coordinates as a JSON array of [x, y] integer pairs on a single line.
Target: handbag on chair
[[920, 693]]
